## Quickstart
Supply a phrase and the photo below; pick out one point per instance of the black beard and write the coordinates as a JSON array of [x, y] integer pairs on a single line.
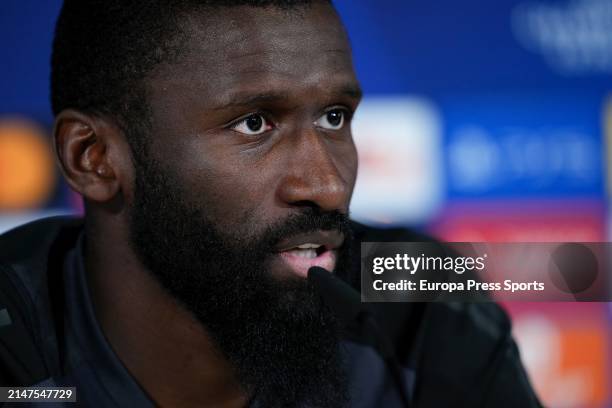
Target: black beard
[[282, 341]]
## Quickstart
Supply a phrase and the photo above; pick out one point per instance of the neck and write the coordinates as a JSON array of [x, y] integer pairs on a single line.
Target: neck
[[162, 345]]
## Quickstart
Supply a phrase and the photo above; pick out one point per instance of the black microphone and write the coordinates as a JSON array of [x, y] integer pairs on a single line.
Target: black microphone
[[342, 299], [345, 302]]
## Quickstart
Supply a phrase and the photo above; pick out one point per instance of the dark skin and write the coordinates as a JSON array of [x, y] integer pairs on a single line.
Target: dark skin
[[243, 118]]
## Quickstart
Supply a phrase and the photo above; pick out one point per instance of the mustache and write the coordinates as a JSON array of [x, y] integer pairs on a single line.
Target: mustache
[[308, 220]]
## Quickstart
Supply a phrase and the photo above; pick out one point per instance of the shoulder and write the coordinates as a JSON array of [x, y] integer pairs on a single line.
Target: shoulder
[[35, 239], [31, 251], [31, 259]]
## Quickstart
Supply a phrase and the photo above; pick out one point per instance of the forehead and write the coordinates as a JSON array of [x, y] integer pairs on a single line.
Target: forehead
[[243, 27], [248, 48]]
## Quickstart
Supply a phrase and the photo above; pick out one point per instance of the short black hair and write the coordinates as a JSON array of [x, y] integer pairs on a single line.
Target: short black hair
[[103, 49]]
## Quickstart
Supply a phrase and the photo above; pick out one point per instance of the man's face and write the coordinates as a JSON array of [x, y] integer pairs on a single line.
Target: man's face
[[246, 184], [254, 120]]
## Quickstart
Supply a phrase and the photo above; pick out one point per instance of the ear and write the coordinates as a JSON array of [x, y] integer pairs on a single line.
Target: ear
[[89, 152]]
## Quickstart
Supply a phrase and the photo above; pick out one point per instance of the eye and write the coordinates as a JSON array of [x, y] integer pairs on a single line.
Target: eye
[[254, 124], [333, 119]]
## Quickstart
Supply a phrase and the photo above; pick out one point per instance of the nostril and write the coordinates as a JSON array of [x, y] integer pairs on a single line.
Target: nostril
[[306, 204]]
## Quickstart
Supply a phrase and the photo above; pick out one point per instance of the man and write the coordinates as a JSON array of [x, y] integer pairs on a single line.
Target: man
[[211, 142]]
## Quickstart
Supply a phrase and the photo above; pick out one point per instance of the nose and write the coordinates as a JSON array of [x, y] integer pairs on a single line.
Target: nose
[[318, 175]]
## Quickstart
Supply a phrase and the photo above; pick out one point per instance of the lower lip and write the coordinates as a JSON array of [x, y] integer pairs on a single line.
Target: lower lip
[[300, 266]]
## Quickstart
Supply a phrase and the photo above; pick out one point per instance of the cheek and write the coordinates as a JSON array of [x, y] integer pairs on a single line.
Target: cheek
[[347, 162], [238, 200], [230, 199], [229, 189]]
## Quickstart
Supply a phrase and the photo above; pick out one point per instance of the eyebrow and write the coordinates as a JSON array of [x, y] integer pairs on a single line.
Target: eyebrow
[[250, 99], [353, 91]]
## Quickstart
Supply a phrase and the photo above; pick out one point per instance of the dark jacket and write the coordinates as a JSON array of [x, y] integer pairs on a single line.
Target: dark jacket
[[461, 354]]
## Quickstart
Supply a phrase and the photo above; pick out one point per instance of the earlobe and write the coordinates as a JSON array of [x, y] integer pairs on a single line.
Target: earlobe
[[83, 145]]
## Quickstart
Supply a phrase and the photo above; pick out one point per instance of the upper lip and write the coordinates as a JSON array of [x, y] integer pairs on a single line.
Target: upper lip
[[330, 239]]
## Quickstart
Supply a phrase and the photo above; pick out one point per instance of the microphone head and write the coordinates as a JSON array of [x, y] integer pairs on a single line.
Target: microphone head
[[341, 298]]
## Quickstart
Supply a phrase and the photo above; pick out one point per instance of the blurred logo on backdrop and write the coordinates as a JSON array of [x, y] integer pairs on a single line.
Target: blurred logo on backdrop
[[523, 166], [524, 144], [607, 121], [488, 159], [400, 177], [574, 37], [27, 167], [565, 349]]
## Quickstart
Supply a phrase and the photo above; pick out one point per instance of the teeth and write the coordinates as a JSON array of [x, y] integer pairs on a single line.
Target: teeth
[[308, 245], [305, 253]]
